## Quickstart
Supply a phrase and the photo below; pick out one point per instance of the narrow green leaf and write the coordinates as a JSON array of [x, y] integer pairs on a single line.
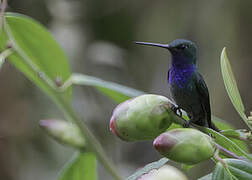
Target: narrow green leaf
[[117, 92], [240, 135], [231, 86], [82, 167], [230, 132], [236, 169], [36, 54], [148, 168]]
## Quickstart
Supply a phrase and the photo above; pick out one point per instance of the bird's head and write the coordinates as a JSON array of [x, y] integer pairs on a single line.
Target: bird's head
[[182, 50]]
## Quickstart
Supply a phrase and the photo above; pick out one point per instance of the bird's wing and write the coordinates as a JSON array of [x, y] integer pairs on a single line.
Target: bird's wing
[[168, 75], [204, 96]]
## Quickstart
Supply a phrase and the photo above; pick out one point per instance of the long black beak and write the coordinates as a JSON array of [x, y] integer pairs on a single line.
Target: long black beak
[[166, 46]]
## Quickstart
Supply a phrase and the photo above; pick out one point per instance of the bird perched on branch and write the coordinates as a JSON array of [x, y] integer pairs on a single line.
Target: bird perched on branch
[[187, 86]]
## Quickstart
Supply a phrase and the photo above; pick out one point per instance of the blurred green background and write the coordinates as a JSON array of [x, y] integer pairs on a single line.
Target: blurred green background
[[98, 39]]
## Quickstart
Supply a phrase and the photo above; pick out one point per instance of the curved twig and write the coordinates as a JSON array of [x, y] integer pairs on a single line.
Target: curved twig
[[227, 152]]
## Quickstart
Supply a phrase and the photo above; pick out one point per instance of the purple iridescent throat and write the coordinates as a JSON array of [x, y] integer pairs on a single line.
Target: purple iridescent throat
[[181, 73]]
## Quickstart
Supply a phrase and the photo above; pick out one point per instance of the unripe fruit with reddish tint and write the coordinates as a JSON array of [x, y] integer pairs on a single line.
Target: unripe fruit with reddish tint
[[185, 145], [64, 132], [141, 118]]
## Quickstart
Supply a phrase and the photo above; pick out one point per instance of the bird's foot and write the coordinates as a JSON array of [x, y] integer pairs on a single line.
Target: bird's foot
[[176, 110], [211, 135], [186, 124]]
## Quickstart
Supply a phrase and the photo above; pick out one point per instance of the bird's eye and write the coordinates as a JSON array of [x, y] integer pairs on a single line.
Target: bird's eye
[[183, 46]]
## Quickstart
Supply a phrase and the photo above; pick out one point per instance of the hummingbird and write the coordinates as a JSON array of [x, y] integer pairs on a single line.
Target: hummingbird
[[187, 86]]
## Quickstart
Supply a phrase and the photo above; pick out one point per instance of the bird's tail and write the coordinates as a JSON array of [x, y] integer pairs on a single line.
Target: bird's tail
[[212, 126], [210, 122]]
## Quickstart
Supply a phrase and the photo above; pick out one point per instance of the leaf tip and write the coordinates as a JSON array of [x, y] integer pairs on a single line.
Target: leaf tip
[[223, 53]]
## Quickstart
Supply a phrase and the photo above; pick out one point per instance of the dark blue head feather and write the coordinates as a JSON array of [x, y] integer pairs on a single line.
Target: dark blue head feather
[[183, 51]]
